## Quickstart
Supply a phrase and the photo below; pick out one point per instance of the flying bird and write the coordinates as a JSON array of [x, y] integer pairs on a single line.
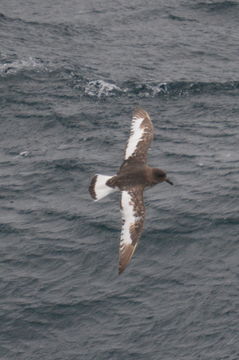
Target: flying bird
[[133, 177]]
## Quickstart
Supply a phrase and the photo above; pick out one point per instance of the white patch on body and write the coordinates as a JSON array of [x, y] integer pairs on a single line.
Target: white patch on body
[[136, 135], [101, 189]]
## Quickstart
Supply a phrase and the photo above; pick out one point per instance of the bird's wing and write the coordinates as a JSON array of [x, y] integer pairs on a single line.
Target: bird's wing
[[133, 211], [141, 135]]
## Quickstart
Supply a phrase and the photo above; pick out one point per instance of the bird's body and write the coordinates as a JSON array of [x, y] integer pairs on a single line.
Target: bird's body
[[131, 176], [131, 180]]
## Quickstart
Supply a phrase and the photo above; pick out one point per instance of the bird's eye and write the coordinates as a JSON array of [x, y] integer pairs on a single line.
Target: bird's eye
[[161, 175]]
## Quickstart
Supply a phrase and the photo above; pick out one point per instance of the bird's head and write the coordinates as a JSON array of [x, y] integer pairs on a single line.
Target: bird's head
[[160, 176]]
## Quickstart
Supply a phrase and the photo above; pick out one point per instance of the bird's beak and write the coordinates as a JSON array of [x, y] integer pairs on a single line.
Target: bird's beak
[[168, 181]]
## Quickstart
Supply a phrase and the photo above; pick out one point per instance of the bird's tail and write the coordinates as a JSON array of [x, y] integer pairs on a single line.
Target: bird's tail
[[98, 187]]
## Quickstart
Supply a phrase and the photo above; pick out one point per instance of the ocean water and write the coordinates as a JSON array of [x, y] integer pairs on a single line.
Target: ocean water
[[71, 73]]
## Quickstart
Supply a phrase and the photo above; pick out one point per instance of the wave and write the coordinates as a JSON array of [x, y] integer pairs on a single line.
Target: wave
[[59, 28], [217, 6], [16, 66], [103, 89]]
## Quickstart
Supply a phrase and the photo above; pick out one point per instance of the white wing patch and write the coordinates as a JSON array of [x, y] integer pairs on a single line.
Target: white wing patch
[[132, 208], [129, 218], [136, 135]]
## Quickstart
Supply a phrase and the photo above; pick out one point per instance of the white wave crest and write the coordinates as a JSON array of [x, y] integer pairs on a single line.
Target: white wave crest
[[101, 88], [19, 65]]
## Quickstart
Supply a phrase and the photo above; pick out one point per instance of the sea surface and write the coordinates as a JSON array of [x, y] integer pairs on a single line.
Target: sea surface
[[71, 73]]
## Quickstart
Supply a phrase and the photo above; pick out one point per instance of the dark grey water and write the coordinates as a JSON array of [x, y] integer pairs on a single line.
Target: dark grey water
[[70, 75]]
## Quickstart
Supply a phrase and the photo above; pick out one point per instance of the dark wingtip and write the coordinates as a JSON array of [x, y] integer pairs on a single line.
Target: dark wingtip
[[141, 112], [121, 267], [92, 187]]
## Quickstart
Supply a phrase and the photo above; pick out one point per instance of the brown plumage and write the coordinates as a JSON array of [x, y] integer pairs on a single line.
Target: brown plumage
[[132, 178]]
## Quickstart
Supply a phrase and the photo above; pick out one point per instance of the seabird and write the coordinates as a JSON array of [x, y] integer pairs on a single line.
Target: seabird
[[133, 177]]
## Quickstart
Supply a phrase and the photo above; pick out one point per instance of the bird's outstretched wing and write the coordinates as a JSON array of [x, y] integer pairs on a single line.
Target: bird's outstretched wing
[[141, 135], [133, 212]]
